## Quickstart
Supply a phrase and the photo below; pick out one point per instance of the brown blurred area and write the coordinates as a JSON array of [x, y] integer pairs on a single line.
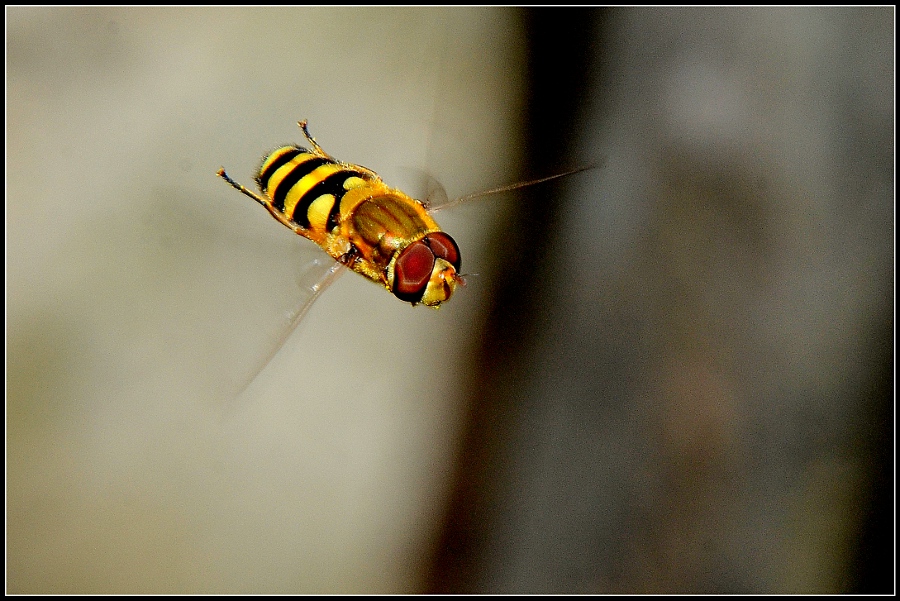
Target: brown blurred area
[[685, 382], [669, 374]]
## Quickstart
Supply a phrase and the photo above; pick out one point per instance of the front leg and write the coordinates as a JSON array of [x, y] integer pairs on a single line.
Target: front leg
[[350, 257]]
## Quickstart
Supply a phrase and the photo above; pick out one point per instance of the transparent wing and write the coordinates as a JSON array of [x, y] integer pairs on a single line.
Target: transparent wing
[[435, 198], [440, 202], [319, 275], [420, 184]]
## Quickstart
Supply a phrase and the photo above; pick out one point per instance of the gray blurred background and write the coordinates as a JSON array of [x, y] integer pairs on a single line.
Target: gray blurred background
[[672, 373]]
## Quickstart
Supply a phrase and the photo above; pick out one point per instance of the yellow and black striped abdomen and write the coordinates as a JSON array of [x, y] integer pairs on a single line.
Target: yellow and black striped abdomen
[[307, 187]]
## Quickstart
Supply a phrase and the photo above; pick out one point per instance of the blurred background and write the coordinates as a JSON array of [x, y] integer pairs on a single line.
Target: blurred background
[[672, 373]]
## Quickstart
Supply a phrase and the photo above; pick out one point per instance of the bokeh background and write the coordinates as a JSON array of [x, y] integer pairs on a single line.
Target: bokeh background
[[672, 373]]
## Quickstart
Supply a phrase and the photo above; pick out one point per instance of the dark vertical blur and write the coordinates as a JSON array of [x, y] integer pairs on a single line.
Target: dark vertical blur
[[874, 563], [561, 52], [683, 385]]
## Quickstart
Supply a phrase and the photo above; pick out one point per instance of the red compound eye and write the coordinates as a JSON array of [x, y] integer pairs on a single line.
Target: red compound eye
[[444, 247], [412, 271]]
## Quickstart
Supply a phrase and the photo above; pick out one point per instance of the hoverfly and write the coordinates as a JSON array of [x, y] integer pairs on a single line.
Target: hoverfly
[[377, 231], [366, 226]]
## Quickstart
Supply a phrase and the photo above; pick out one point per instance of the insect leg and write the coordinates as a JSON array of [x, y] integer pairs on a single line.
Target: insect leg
[[312, 140], [240, 188], [350, 257], [264, 202]]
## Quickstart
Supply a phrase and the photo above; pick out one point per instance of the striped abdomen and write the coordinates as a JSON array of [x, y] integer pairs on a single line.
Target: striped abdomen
[[306, 187]]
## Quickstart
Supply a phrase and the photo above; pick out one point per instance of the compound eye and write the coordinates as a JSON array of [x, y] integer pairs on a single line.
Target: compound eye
[[444, 247], [412, 272]]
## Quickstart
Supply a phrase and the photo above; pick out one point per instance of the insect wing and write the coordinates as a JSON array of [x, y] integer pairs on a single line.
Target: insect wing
[[317, 277], [420, 184], [441, 203]]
